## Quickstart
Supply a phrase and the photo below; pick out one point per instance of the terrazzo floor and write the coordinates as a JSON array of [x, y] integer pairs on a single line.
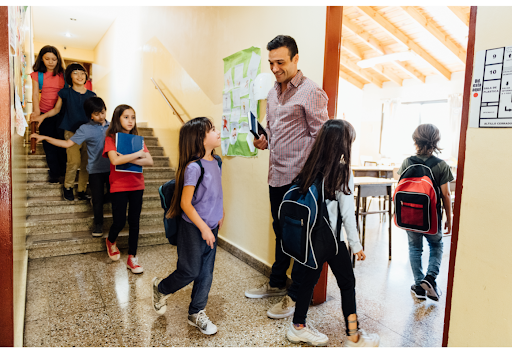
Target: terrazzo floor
[[87, 300]]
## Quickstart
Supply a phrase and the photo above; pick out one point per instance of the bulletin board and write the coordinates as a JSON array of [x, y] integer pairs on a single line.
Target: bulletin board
[[240, 70]]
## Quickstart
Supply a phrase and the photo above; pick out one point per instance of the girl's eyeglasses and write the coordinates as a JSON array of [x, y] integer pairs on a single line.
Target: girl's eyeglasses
[[78, 72]]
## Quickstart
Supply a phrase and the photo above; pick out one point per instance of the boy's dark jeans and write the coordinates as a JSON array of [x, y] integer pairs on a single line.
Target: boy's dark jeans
[[278, 276], [195, 264], [97, 184], [55, 156]]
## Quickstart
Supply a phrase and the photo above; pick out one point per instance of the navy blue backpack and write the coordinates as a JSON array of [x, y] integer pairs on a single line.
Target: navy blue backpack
[[166, 192], [302, 217]]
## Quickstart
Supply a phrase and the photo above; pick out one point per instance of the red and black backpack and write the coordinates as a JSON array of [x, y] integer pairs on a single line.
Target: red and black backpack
[[417, 197]]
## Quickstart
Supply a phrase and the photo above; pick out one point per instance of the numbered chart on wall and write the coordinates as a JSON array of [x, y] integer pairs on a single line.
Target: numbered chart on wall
[[491, 91]]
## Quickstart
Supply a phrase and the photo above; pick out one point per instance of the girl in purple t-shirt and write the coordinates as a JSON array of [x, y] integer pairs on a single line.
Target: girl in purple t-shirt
[[202, 215]]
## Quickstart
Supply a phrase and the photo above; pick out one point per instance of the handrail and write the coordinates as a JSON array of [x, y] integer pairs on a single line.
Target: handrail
[[170, 105]]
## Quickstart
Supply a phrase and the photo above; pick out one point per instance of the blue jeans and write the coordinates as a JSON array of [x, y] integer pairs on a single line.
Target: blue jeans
[[195, 264], [416, 249]]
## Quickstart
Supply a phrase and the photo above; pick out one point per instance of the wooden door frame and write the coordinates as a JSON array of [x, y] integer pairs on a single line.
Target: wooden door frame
[[334, 17], [460, 171], [6, 239]]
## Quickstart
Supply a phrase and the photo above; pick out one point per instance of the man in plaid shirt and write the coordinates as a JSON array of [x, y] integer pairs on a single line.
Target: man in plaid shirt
[[296, 110]]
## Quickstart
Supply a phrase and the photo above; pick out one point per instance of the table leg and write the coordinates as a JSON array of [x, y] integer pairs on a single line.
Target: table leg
[[389, 213], [364, 219], [320, 291]]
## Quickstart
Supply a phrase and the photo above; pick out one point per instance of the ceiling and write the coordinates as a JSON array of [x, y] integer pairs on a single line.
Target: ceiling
[[51, 23], [435, 35]]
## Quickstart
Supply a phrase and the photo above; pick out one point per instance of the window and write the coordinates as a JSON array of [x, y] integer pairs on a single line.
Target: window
[[399, 120]]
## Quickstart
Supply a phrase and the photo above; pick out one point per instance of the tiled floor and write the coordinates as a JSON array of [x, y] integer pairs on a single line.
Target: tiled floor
[[86, 300]]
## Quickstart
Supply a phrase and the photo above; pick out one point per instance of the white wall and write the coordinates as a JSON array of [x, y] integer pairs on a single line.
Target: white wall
[[363, 108]]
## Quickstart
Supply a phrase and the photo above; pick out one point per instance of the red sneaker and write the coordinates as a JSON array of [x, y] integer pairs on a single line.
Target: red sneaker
[[133, 264], [113, 251]]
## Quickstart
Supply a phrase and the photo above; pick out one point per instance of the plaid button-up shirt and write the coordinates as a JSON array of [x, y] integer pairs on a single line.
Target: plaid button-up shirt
[[293, 120]]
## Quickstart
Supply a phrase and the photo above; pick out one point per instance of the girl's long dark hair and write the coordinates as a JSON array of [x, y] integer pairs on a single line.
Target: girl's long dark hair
[[115, 124], [39, 64], [329, 158], [191, 148]]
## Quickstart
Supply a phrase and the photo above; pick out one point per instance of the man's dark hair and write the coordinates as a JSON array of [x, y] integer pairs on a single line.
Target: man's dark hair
[[70, 69], [94, 105], [284, 41]]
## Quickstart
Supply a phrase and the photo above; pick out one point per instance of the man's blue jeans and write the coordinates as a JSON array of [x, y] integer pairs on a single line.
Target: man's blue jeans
[[195, 264], [416, 249]]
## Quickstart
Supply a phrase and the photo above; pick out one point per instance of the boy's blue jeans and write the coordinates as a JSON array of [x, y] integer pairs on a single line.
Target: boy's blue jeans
[[195, 264], [416, 249]]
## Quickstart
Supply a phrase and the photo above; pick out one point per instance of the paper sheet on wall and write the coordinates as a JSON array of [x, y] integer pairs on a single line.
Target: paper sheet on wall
[[228, 81], [491, 90], [242, 68], [21, 122], [226, 102], [239, 74], [244, 86], [254, 66], [224, 132], [244, 106], [236, 97]]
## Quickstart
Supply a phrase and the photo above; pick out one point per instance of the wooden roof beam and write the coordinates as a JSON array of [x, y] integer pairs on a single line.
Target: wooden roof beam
[[351, 48], [409, 70], [352, 80], [365, 36], [429, 25], [386, 72], [402, 38], [349, 65], [461, 15]]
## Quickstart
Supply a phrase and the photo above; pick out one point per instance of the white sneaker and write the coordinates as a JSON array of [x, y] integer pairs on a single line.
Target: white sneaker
[[365, 340], [308, 334], [159, 299], [265, 291], [202, 322], [285, 308]]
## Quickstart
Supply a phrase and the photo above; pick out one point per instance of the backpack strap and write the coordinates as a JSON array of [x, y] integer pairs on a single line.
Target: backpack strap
[[219, 162], [40, 79]]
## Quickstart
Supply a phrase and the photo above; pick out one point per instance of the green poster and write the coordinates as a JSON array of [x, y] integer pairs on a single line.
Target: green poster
[[240, 70]]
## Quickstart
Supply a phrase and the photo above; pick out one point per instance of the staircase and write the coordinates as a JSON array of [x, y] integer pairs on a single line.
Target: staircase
[[58, 227]]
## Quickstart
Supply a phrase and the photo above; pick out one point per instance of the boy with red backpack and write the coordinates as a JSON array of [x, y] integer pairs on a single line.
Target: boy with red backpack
[[424, 181]]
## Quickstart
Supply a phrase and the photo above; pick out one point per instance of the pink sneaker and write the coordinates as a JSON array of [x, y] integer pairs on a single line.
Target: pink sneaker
[[133, 264], [113, 251]]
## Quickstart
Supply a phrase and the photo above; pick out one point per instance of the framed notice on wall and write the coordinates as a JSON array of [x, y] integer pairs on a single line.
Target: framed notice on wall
[[491, 89]]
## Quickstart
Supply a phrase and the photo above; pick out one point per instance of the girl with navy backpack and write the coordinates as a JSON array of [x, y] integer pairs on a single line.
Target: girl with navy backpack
[[329, 164], [202, 214], [47, 81]]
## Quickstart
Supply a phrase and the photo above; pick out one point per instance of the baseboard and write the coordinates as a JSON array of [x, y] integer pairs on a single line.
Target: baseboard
[[257, 264], [250, 260]]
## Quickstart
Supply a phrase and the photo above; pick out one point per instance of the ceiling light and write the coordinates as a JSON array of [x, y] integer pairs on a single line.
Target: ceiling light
[[68, 35], [402, 56], [73, 19]]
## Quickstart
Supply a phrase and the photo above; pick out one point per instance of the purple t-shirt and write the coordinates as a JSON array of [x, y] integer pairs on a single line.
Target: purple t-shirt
[[208, 197]]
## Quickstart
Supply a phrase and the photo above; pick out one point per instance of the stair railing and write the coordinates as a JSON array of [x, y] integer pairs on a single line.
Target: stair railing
[[167, 100]]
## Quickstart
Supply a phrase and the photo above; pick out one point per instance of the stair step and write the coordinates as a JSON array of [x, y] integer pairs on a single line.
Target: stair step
[[145, 131], [83, 221], [39, 161], [48, 245], [41, 174], [45, 189], [56, 205], [154, 150]]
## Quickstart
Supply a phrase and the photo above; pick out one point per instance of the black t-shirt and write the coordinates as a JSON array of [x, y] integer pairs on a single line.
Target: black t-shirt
[[73, 113], [442, 172]]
